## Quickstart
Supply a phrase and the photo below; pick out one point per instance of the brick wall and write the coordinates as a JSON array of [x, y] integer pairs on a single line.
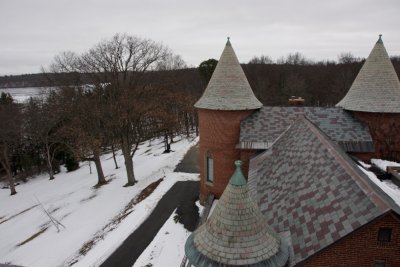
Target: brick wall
[[385, 131], [219, 135], [361, 248]]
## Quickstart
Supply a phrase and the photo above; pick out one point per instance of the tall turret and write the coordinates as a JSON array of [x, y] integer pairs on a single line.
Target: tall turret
[[374, 98], [376, 87], [227, 100]]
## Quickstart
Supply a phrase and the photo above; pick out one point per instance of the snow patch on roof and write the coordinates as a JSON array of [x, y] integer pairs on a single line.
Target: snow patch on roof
[[392, 190]]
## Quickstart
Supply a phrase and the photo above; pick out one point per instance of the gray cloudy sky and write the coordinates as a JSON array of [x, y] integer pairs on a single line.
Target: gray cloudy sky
[[32, 32]]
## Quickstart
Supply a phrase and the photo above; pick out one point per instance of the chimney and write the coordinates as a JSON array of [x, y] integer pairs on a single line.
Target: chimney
[[296, 101]]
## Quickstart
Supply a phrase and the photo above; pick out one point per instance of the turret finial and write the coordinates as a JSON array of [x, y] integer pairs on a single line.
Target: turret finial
[[228, 42], [380, 39], [238, 177]]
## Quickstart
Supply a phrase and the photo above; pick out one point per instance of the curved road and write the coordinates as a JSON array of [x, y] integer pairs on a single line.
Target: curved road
[[136, 243]]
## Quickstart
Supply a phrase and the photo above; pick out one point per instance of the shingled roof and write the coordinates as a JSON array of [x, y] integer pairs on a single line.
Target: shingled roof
[[236, 234], [376, 87], [261, 129], [306, 184], [228, 88]]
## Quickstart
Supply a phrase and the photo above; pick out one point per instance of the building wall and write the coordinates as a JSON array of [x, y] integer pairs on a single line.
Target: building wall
[[361, 248], [245, 155], [385, 131], [219, 135]]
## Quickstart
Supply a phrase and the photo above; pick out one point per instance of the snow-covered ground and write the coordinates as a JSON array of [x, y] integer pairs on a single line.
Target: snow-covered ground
[[168, 247], [387, 186], [28, 237]]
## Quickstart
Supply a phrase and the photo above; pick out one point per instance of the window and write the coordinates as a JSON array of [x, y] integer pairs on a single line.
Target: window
[[210, 167], [379, 263], [385, 234]]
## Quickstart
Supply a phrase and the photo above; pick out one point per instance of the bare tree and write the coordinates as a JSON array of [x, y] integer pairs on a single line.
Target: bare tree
[[171, 62], [263, 59], [85, 127], [120, 64], [43, 120], [347, 58], [294, 59], [10, 135]]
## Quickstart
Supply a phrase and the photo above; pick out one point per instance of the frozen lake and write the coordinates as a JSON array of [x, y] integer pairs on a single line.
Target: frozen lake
[[21, 95]]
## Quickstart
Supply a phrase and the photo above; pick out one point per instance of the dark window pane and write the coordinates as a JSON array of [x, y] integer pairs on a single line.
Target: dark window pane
[[379, 263], [210, 169], [385, 234]]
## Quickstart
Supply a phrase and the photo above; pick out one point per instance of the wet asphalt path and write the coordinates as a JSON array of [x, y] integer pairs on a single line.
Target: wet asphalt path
[[190, 163], [136, 243]]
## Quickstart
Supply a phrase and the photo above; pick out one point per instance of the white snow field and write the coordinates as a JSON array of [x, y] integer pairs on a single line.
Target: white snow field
[[28, 238]]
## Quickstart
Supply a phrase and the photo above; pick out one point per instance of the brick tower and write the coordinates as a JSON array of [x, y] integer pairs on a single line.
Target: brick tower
[[374, 97], [227, 100]]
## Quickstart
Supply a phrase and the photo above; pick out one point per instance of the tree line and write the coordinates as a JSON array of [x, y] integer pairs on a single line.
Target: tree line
[[116, 96], [322, 83]]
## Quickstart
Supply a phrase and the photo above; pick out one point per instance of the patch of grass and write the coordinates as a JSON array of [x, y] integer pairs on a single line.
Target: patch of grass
[[41, 231], [19, 213], [147, 191]]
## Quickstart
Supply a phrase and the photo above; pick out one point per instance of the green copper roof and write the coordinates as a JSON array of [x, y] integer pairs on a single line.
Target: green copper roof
[[380, 39], [376, 87], [238, 177], [228, 88], [236, 233]]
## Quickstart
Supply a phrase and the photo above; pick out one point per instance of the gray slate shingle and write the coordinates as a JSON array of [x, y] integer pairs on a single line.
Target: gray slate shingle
[[263, 127], [376, 87], [236, 233], [306, 185], [228, 88]]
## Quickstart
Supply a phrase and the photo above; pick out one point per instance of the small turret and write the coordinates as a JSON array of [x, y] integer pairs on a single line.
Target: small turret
[[236, 234]]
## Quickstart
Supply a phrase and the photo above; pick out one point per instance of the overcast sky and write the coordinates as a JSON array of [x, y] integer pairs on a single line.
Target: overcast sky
[[32, 32]]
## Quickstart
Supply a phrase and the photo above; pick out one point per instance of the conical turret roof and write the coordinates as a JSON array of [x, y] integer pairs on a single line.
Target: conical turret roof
[[376, 87], [228, 88], [236, 232]]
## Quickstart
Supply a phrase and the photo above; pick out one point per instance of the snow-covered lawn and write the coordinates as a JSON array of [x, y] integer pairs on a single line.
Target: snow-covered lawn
[[29, 238]]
